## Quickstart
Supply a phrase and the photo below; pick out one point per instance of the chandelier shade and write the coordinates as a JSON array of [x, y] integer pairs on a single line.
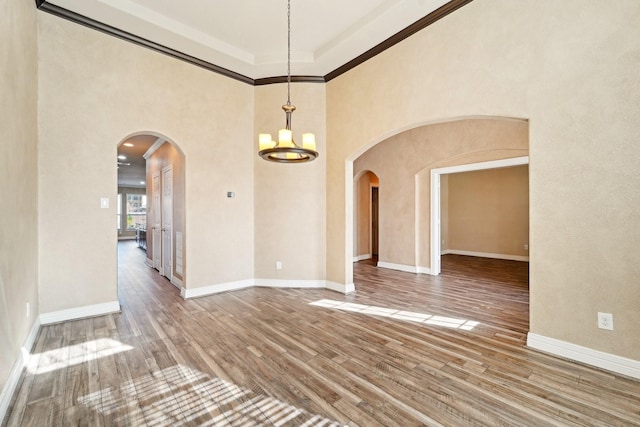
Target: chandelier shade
[[285, 149]]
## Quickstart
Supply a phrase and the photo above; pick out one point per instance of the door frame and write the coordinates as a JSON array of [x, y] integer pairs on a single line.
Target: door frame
[[156, 227], [374, 188], [435, 230], [166, 252]]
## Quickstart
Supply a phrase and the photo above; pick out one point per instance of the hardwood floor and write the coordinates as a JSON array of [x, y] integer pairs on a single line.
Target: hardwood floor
[[403, 350]]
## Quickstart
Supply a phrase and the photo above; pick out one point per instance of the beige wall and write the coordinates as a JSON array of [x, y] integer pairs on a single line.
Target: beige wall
[[569, 67], [289, 200], [403, 164], [164, 156], [18, 179], [95, 91], [487, 211]]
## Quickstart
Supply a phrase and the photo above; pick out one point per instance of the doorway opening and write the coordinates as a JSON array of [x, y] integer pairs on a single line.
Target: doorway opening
[[160, 232], [366, 217], [132, 188], [436, 224]]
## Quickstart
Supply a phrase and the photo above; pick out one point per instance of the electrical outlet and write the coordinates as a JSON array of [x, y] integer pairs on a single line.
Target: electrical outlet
[[605, 321], [526, 247], [28, 310], [278, 265]]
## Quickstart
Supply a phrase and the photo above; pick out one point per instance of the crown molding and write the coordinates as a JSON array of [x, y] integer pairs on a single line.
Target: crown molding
[[422, 23], [124, 35]]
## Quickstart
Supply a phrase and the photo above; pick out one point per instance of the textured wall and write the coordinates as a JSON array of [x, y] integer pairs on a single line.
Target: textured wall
[[569, 67], [290, 199], [18, 178], [95, 90]]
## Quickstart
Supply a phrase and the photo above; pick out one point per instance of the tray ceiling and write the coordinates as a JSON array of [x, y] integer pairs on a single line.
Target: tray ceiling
[[249, 37]]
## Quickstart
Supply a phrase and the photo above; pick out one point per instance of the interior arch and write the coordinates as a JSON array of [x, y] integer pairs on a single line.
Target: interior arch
[[403, 160]]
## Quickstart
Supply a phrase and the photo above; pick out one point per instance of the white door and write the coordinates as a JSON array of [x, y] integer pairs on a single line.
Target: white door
[[167, 219], [156, 234]]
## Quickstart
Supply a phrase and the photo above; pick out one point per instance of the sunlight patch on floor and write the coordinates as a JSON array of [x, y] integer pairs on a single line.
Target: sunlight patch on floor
[[428, 319], [178, 395], [47, 361]]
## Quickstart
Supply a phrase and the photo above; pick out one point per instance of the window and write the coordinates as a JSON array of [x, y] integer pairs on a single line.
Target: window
[[119, 211], [136, 211]]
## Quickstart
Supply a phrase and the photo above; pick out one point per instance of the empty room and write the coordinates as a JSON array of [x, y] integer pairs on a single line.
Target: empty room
[[306, 240]]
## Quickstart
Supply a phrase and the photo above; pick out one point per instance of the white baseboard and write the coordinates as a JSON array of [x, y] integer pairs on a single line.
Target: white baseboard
[[80, 312], [149, 262], [399, 267], [216, 289], [424, 270], [361, 257], [485, 255], [599, 359], [339, 287], [405, 268], [277, 283], [266, 283], [16, 370]]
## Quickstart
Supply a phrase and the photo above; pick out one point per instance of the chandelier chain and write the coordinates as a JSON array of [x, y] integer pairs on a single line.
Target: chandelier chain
[[288, 52]]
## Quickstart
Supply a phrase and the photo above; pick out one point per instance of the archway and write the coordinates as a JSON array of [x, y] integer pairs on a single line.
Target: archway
[[366, 185], [404, 156], [162, 232]]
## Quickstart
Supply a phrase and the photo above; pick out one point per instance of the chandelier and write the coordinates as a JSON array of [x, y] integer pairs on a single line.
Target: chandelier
[[286, 150]]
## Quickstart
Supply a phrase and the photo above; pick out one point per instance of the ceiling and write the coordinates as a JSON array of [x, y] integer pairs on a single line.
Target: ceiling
[[132, 170], [249, 37]]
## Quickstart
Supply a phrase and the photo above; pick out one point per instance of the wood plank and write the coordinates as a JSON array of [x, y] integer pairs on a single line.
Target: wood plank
[[266, 356]]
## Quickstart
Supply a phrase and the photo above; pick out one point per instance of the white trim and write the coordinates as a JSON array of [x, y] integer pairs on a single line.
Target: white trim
[[80, 312], [339, 287], [400, 267], [154, 147], [361, 257], [486, 255], [149, 262], [13, 379], [216, 289], [596, 358], [435, 198], [424, 270], [124, 237], [435, 230], [176, 282], [279, 283], [266, 283]]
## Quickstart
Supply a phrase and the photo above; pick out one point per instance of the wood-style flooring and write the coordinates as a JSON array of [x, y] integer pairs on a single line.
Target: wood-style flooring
[[404, 350]]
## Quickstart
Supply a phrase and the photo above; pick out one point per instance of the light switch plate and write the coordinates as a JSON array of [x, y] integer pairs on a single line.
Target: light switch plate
[[104, 203]]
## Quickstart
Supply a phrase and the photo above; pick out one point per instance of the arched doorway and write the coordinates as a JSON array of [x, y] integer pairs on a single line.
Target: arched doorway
[[161, 234], [366, 216], [405, 159]]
